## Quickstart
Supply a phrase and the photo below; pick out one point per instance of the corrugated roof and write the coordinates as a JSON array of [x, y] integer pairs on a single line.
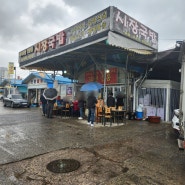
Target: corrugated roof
[[128, 44]]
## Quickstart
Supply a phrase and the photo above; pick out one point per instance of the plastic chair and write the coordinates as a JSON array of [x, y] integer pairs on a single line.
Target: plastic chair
[[100, 114], [55, 109], [120, 108], [108, 116], [66, 110]]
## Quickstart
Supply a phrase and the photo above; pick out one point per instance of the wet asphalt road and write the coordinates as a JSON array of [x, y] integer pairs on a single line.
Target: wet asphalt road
[[137, 152]]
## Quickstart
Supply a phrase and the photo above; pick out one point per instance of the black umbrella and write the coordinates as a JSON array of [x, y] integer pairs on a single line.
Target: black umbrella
[[50, 94]]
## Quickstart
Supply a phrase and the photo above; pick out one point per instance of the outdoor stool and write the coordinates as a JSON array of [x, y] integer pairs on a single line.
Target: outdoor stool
[[107, 116], [100, 114], [66, 110]]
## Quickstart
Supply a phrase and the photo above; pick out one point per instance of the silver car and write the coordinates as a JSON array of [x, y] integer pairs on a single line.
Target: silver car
[[15, 100]]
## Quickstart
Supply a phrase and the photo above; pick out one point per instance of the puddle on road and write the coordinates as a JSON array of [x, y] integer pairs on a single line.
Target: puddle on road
[[10, 135]]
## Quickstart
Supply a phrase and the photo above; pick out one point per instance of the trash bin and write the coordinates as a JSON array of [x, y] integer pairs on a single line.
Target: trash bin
[[139, 112], [139, 115]]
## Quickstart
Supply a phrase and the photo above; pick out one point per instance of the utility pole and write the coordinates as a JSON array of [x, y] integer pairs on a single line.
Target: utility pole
[[182, 98], [14, 78]]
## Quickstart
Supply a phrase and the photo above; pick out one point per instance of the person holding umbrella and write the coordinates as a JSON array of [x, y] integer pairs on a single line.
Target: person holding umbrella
[[44, 104], [50, 108], [50, 95], [91, 100]]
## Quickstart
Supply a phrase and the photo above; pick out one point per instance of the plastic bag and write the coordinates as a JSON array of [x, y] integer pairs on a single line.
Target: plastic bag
[[140, 108]]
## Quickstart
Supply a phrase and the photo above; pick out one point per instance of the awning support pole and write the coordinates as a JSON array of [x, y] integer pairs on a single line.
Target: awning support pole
[[92, 58], [182, 93]]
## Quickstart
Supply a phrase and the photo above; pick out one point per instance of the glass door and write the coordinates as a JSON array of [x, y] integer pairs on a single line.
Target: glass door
[[115, 90]]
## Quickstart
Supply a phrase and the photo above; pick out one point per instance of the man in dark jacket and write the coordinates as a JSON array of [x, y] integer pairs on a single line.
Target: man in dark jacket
[[119, 101], [50, 108], [91, 104], [44, 104], [111, 100]]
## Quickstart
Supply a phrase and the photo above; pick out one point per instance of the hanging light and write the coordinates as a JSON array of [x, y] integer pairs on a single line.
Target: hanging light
[[107, 71]]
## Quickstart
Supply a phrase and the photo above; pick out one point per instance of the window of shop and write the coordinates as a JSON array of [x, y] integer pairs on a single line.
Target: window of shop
[[115, 90]]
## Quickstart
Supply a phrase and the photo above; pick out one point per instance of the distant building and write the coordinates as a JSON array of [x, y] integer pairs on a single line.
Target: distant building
[[13, 86], [3, 73], [38, 81]]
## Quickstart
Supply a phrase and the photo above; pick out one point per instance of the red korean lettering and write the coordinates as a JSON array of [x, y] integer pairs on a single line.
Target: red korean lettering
[[61, 38], [44, 45], [52, 42]]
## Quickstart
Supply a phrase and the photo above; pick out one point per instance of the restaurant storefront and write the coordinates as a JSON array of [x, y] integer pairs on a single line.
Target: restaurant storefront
[[104, 48]]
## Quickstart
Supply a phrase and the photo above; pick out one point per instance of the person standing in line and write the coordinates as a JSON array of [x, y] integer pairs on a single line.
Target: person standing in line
[[44, 104], [91, 104], [75, 108], [119, 101], [110, 100], [50, 106], [81, 105]]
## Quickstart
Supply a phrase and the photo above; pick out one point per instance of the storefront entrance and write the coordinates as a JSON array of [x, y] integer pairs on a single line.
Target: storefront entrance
[[115, 90]]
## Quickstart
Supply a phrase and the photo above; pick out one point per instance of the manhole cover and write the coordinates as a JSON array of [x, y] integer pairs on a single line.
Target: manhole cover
[[63, 165]]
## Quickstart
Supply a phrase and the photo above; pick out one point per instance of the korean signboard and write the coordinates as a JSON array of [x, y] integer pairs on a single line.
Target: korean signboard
[[95, 24], [129, 27], [11, 68], [110, 18], [111, 77]]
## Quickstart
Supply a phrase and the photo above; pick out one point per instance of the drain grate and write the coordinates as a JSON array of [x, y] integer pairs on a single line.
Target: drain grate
[[63, 165]]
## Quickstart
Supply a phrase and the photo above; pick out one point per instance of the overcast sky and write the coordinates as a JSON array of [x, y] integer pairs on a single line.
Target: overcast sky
[[26, 22]]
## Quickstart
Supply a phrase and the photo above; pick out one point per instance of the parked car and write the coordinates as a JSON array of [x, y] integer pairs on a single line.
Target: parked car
[[15, 100], [175, 122]]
